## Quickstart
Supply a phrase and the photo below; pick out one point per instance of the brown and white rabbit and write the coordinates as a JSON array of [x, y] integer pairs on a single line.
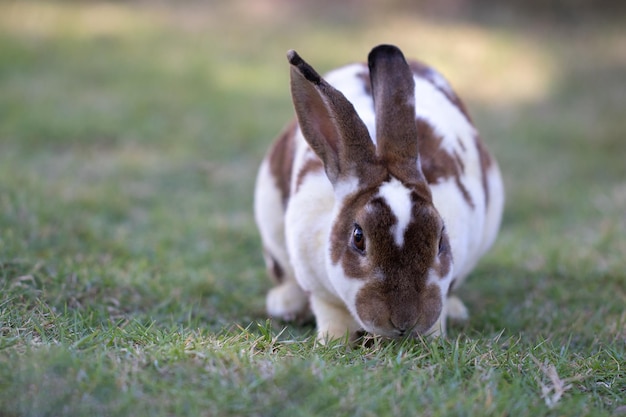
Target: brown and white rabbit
[[377, 202]]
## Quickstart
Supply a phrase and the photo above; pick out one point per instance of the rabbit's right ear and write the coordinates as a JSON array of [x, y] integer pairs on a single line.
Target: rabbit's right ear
[[329, 123]]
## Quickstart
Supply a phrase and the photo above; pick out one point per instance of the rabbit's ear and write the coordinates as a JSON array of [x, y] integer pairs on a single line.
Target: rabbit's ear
[[393, 89], [329, 123]]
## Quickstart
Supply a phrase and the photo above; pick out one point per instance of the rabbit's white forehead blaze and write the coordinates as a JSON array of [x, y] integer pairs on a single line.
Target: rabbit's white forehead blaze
[[398, 198]]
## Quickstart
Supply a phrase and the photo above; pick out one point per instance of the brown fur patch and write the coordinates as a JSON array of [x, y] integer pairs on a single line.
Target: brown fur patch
[[485, 163], [280, 159], [312, 164], [437, 164], [341, 234]]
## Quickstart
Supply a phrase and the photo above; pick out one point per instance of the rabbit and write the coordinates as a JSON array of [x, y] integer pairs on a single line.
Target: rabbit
[[377, 202]]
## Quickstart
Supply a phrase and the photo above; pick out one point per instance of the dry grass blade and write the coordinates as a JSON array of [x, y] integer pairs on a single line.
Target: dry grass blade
[[554, 387]]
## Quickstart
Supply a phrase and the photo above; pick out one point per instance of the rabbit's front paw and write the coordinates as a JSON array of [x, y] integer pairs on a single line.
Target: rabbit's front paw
[[455, 309], [287, 302]]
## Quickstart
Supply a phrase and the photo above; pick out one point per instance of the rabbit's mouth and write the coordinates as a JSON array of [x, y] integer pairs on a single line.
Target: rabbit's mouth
[[391, 330]]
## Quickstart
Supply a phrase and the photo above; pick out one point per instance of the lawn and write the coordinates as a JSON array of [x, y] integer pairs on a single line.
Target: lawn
[[131, 276]]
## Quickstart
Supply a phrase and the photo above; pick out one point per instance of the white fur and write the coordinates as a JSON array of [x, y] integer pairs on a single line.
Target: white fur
[[308, 216], [268, 211], [398, 198], [439, 328], [455, 309], [346, 187], [493, 215], [334, 321], [439, 81], [345, 287], [287, 300], [332, 293]]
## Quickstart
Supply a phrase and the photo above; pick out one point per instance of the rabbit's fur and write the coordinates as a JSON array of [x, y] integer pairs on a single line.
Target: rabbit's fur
[[378, 202]]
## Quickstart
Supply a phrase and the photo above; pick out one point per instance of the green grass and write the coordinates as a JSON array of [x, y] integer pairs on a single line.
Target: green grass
[[131, 278]]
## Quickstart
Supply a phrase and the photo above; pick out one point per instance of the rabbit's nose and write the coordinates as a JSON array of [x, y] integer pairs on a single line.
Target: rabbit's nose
[[402, 326], [404, 317]]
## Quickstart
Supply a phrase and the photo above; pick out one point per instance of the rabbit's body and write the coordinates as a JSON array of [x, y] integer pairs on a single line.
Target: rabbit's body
[[304, 216]]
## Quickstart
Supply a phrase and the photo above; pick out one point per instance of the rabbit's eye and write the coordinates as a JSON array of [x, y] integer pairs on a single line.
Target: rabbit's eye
[[358, 238]]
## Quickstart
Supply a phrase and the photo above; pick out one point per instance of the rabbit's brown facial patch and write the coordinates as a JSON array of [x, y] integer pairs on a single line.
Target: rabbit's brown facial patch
[[404, 259], [399, 224], [343, 249], [280, 159]]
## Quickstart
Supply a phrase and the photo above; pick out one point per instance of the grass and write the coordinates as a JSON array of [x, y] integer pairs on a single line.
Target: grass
[[131, 279]]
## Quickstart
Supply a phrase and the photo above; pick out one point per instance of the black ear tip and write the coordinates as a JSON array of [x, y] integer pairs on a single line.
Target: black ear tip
[[302, 67], [384, 51], [387, 48], [293, 57]]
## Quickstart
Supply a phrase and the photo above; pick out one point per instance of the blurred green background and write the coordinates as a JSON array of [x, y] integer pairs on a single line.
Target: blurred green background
[[130, 135]]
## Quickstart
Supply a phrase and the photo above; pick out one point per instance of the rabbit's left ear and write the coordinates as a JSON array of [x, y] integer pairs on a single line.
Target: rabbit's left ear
[[330, 124], [393, 89]]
